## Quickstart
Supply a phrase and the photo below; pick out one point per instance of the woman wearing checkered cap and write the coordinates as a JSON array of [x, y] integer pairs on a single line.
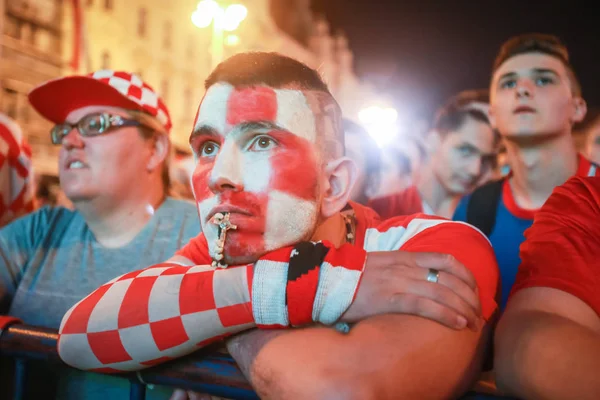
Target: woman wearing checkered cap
[[113, 133]]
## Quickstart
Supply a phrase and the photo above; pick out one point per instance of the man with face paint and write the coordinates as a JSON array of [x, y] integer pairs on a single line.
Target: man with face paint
[[462, 145], [535, 101], [282, 247]]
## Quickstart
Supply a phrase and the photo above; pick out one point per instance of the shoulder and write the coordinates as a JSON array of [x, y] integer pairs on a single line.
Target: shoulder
[[562, 246], [172, 205], [34, 226]]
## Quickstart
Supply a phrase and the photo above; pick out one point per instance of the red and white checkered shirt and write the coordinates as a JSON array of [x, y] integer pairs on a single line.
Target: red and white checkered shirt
[[172, 309]]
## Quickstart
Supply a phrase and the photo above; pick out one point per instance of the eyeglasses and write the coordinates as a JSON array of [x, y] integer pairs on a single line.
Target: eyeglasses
[[94, 125]]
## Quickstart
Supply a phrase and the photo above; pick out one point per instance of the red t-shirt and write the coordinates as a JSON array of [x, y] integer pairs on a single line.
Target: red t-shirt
[[406, 202], [562, 247]]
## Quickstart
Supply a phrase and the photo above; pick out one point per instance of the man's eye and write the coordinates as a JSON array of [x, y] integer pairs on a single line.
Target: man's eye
[[543, 81], [508, 84], [209, 149], [262, 143]]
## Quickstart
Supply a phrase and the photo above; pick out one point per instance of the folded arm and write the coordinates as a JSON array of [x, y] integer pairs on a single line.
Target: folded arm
[[384, 357], [548, 347], [150, 316], [387, 356]]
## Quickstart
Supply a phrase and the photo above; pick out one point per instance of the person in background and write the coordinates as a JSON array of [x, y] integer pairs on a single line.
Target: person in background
[[535, 101], [462, 151], [363, 150], [113, 132], [548, 338], [16, 174]]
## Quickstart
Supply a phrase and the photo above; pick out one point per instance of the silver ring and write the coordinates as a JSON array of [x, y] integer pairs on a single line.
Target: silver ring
[[433, 275]]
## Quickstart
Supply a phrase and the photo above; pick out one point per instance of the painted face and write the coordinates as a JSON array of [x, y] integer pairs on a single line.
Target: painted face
[[257, 160], [531, 95], [465, 157], [102, 166]]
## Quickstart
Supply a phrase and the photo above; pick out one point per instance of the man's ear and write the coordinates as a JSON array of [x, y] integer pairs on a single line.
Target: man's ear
[[580, 109], [159, 151], [340, 175]]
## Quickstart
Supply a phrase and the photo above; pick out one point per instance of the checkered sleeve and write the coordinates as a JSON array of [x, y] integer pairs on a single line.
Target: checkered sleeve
[[169, 310], [150, 316]]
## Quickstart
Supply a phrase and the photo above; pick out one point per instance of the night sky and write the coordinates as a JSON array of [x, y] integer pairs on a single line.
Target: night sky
[[421, 52]]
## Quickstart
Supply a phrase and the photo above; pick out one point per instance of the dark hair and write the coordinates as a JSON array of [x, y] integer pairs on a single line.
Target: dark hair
[[467, 97], [369, 145], [451, 118], [271, 69], [538, 43]]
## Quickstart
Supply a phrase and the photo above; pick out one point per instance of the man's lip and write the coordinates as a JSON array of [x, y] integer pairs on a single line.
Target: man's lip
[[227, 209], [524, 109], [72, 159]]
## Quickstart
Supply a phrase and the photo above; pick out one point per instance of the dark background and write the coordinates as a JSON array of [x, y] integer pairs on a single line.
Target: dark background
[[422, 52]]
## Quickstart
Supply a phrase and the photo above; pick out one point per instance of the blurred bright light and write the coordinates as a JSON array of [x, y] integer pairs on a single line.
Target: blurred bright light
[[232, 40], [205, 13], [380, 122], [234, 15], [228, 19]]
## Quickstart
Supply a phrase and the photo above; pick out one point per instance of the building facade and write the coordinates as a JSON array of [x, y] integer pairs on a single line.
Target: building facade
[[157, 40]]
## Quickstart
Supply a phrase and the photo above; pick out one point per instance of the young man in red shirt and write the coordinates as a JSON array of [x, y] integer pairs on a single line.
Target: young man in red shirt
[[548, 339], [535, 101]]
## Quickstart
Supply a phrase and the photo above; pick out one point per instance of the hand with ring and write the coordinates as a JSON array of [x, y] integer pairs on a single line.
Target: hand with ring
[[431, 285]]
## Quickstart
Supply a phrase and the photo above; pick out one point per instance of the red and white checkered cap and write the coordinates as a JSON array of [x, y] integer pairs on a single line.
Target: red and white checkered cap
[[56, 98]]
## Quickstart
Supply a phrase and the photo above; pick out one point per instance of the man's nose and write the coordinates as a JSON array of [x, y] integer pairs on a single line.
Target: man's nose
[[72, 140], [524, 88], [227, 172]]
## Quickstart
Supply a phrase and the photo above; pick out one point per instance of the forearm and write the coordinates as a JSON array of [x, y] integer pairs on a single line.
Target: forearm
[[147, 317], [169, 310], [544, 356], [387, 357]]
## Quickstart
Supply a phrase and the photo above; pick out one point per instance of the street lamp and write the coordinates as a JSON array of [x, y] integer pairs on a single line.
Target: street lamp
[[222, 19], [380, 122]]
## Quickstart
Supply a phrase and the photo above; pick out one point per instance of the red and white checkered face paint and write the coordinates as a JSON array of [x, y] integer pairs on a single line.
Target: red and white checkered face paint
[[257, 160]]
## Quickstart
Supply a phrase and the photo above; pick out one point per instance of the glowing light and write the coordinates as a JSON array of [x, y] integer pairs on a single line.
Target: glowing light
[[380, 122], [234, 15], [205, 12], [232, 40]]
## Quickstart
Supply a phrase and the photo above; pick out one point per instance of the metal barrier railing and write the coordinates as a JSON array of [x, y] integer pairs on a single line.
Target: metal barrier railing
[[205, 372]]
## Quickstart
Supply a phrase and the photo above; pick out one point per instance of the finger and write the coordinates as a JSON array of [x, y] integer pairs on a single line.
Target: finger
[[447, 263], [460, 288], [179, 394], [427, 308], [447, 298]]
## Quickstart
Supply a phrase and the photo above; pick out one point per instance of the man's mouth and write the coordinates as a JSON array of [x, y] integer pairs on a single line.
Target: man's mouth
[[76, 165], [227, 209], [524, 110]]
